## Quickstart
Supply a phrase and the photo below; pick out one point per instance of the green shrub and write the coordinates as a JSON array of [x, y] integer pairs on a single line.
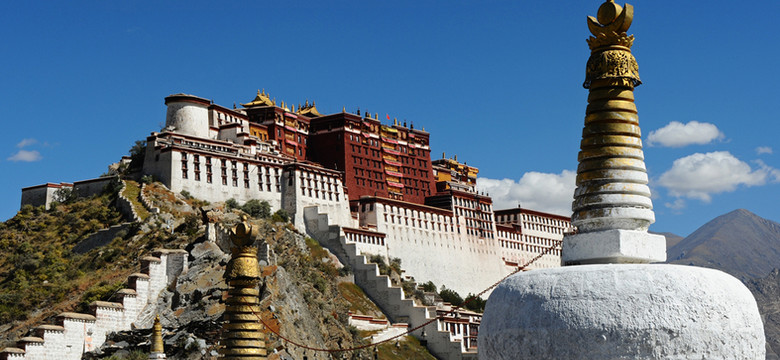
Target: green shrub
[[231, 204], [280, 215], [257, 208]]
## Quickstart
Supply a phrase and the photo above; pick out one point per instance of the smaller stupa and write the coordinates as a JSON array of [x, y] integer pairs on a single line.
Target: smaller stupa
[[157, 350], [243, 337]]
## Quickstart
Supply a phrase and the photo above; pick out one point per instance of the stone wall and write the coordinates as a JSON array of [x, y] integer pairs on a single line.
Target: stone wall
[[125, 206], [87, 188]]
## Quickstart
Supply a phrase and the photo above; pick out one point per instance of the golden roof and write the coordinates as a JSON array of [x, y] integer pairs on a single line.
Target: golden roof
[[262, 99], [309, 110]]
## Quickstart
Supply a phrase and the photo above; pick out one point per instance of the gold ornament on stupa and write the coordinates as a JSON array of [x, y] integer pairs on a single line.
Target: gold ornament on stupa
[[612, 190], [243, 336]]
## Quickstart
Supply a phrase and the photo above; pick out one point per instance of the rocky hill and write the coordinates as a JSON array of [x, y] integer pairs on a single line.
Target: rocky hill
[[747, 247], [306, 297], [739, 243]]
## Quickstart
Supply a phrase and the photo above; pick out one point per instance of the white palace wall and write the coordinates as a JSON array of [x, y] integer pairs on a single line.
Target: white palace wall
[[434, 246]]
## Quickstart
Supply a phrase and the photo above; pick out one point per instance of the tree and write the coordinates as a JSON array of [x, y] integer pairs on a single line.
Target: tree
[[137, 153], [474, 303], [65, 195], [450, 296]]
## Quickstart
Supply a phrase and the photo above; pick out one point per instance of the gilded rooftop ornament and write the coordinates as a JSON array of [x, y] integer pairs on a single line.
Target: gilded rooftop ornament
[[262, 99], [243, 337]]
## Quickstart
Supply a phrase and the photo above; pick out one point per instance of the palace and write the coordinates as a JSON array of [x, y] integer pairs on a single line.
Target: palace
[[376, 183]]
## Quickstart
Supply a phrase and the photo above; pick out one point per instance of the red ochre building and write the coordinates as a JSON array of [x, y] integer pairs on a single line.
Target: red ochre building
[[377, 160]]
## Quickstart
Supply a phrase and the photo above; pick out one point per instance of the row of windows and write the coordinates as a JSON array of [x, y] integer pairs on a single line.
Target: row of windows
[[234, 178], [365, 239]]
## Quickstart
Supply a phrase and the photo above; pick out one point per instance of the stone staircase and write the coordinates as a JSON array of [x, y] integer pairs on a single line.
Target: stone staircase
[[389, 298], [74, 334]]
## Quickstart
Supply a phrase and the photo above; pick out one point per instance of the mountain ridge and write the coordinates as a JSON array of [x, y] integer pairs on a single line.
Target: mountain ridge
[[740, 243]]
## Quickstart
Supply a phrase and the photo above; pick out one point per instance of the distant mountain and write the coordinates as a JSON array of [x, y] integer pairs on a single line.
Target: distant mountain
[[740, 243], [671, 239]]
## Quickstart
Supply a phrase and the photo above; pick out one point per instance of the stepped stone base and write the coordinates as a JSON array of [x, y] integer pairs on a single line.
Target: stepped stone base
[[613, 246], [622, 311]]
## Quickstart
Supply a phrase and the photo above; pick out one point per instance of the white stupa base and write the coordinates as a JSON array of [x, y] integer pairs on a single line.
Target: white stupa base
[[622, 311], [613, 246]]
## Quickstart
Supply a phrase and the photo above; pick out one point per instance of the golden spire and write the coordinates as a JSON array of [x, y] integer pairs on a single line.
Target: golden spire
[[157, 339], [243, 336], [612, 192]]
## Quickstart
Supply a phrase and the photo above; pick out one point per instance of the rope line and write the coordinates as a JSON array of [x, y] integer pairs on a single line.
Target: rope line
[[454, 309]]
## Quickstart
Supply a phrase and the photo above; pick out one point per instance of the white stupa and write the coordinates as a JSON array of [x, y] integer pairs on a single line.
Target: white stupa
[[609, 302]]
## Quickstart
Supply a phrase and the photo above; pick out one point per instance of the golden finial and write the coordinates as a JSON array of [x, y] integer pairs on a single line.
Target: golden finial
[[307, 103], [273, 102], [443, 155], [610, 25], [157, 339], [395, 121], [313, 104], [343, 109], [610, 45], [376, 116], [263, 92], [258, 92], [243, 332]]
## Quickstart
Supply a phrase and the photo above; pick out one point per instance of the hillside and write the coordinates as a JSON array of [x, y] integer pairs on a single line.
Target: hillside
[[304, 294], [739, 243], [671, 239]]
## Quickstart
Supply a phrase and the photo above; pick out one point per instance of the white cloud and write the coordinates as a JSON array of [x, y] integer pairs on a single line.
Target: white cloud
[[26, 155], [763, 150], [677, 204], [677, 134], [699, 176], [546, 192], [26, 142]]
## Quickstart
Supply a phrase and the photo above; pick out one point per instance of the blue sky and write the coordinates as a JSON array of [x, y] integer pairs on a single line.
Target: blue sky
[[499, 83]]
